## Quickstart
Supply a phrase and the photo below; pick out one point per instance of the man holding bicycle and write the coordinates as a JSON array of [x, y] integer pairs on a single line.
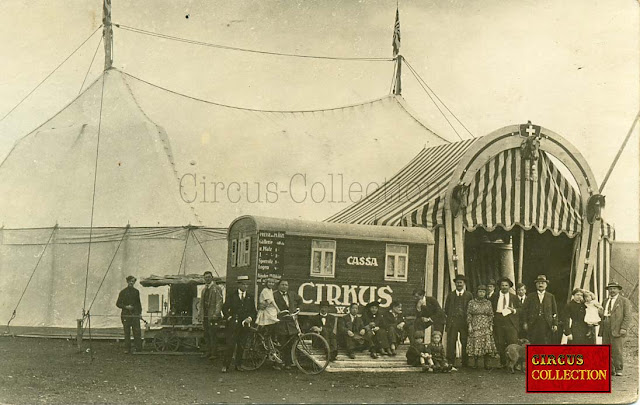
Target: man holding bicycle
[[287, 302], [239, 312]]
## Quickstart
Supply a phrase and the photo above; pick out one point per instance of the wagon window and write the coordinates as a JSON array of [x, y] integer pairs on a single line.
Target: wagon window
[[234, 253], [396, 263], [323, 257], [244, 250]]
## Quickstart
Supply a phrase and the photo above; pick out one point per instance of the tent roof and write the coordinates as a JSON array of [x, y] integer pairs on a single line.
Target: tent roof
[[153, 141]]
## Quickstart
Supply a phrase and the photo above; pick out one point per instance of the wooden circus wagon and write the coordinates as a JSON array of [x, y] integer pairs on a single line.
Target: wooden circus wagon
[[335, 262], [178, 325], [518, 202]]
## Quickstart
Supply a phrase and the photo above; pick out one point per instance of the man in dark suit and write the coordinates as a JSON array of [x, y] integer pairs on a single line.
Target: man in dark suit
[[455, 308], [351, 328], [129, 302], [376, 328], [396, 326], [239, 311], [521, 293], [428, 313], [616, 320], [287, 302], [326, 326], [506, 318], [541, 313]]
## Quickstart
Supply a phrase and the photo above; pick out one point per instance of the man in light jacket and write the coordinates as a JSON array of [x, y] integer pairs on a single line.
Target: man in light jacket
[[616, 319], [210, 312]]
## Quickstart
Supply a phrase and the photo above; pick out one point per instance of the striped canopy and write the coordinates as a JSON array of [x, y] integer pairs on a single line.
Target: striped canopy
[[499, 195]]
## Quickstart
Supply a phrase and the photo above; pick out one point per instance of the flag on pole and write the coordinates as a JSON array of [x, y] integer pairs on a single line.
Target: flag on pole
[[396, 35]]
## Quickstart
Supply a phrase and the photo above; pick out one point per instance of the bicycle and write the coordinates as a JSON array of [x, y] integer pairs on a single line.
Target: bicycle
[[309, 351]]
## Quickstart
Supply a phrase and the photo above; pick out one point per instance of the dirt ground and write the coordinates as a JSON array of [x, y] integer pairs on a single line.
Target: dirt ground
[[54, 371]]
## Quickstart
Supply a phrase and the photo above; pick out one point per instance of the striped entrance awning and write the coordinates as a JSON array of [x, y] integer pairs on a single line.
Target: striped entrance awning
[[418, 189], [500, 194]]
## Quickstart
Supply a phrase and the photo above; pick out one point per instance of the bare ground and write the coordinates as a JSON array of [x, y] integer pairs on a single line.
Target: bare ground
[[54, 371]]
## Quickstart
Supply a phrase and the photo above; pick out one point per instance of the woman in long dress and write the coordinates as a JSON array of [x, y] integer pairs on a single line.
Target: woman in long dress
[[480, 323]]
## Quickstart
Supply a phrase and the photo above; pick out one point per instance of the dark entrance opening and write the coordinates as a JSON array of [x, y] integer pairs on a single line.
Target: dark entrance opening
[[489, 254]]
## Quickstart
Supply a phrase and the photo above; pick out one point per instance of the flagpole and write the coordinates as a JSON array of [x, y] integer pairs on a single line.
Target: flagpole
[[397, 88], [107, 33]]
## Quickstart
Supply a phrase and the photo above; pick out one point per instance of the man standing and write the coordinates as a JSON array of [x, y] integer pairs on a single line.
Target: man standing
[[616, 319], [491, 289], [210, 311], [239, 311], [286, 301], [327, 327], [456, 309], [506, 322], [129, 302], [541, 313], [521, 292]]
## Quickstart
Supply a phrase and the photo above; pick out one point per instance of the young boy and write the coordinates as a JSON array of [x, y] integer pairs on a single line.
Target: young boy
[[438, 355], [418, 355]]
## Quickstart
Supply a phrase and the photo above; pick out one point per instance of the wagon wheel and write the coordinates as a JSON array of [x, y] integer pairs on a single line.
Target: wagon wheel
[[166, 341], [310, 353]]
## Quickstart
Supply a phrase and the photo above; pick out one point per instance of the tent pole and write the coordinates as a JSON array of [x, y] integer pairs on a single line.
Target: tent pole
[[520, 255]]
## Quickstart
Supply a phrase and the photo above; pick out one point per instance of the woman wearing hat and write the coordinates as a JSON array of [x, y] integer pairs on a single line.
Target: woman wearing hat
[[480, 342]]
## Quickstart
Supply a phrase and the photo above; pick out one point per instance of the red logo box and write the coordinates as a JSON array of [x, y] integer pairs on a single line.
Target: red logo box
[[568, 368]]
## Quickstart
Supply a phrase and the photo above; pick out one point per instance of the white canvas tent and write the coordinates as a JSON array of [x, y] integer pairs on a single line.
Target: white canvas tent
[[152, 141]]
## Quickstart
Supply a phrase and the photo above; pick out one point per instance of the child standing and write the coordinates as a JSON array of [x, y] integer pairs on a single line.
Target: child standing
[[438, 356], [267, 317], [418, 355], [591, 316]]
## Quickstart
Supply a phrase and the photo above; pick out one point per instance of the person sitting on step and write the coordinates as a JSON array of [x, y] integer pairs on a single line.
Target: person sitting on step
[[351, 331], [438, 356], [396, 326], [375, 326], [417, 353]]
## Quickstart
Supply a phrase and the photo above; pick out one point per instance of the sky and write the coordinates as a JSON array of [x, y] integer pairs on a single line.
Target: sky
[[570, 66]]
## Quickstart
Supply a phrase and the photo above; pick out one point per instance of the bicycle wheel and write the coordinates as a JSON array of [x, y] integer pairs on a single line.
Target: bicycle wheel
[[310, 353], [255, 352]]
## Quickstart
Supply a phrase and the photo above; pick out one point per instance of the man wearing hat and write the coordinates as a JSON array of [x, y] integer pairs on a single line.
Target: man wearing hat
[[326, 326], [239, 312], [129, 302], [456, 309], [506, 318], [396, 326], [376, 328], [541, 313], [616, 319]]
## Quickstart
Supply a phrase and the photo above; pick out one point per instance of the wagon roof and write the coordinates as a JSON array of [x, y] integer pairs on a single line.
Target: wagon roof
[[342, 231], [173, 279]]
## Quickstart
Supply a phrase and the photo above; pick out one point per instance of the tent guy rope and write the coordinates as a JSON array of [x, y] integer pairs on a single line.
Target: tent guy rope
[[49, 75]]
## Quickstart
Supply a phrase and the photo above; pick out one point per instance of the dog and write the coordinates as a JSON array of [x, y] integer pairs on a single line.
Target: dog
[[516, 354]]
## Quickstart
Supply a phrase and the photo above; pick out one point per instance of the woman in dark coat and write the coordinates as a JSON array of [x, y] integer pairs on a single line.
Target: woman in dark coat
[[574, 325]]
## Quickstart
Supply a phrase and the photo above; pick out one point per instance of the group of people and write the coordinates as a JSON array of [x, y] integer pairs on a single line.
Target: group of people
[[484, 323]]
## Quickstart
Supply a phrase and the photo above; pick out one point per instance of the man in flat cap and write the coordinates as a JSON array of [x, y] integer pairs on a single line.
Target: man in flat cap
[[210, 312], [616, 320], [129, 302], [239, 312], [456, 309], [541, 313], [506, 317]]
